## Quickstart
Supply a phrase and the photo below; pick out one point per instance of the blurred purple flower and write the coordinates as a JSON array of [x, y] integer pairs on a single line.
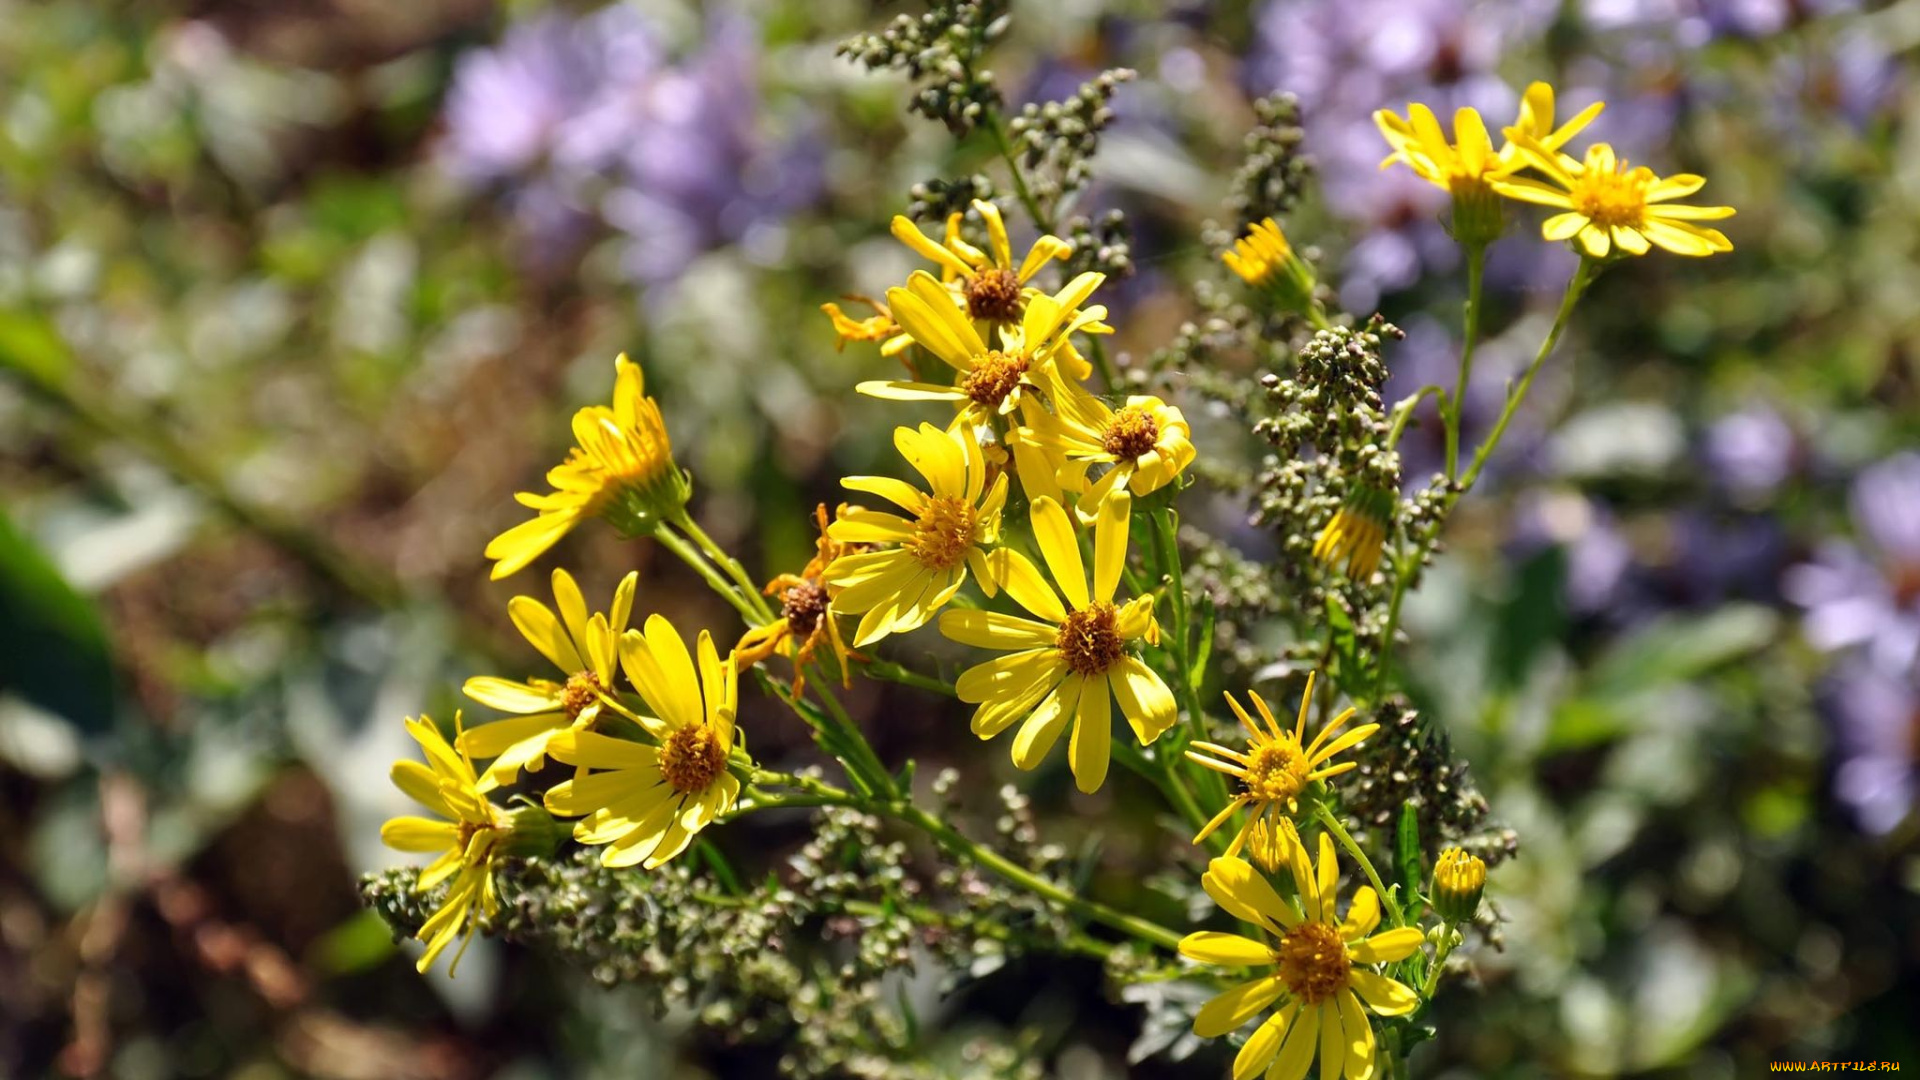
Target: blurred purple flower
[[1876, 721], [1750, 453], [1868, 597], [585, 116]]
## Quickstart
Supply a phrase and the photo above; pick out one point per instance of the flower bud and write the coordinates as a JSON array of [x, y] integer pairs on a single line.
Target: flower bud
[[532, 833], [1479, 216], [1458, 881], [1265, 260]]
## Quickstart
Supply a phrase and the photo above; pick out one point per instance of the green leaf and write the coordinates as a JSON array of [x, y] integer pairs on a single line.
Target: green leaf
[[1347, 665], [53, 649], [1203, 650], [1407, 855]]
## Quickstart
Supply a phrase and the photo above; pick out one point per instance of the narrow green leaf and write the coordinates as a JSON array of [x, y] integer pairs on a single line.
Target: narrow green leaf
[[1407, 856], [53, 649]]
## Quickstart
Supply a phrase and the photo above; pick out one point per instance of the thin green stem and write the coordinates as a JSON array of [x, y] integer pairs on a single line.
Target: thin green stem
[[1020, 188], [721, 558], [872, 768], [1403, 412], [1451, 406], [1439, 963], [959, 845], [1576, 285], [888, 671], [715, 580], [1346, 840]]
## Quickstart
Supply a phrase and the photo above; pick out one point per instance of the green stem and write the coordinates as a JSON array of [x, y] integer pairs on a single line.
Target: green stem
[[721, 558], [888, 671], [873, 770], [1576, 285], [958, 845], [1451, 406], [1439, 962], [1403, 412], [1005, 146], [718, 582], [1340, 833]]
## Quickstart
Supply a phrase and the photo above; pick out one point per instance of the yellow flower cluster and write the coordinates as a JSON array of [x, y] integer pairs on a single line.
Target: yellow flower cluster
[[1606, 206]]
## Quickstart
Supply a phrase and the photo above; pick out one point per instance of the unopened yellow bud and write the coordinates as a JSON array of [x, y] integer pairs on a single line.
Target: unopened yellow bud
[[1458, 881]]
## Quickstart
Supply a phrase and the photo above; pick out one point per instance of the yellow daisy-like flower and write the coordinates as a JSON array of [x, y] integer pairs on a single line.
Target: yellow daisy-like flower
[[1357, 533], [1469, 167], [922, 559], [1277, 765], [1146, 442], [1071, 663], [646, 803], [582, 646], [988, 285], [1607, 205], [621, 467], [469, 837], [992, 380], [805, 621], [1322, 969], [1469, 162]]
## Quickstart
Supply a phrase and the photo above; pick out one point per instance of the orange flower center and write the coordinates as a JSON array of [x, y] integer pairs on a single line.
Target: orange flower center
[[1612, 198], [994, 376], [943, 534], [691, 758], [1131, 433], [1090, 639], [582, 689], [993, 295], [1313, 962], [1276, 771]]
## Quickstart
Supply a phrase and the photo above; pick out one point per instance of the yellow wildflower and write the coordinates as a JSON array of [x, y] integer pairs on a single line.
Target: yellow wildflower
[[992, 379], [1469, 168], [919, 563], [646, 803], [582, 646], [1146, 443], [621, 467], [804, 621], [1321, 965], [1606, 205], [1072, 663], [988, 285], [469, 838], [1277, 765], [1264, 259]]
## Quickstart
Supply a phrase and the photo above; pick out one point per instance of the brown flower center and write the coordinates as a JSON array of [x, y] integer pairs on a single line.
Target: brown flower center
[[1131, 433], [802, 605], [994, 295], [1090, 639], [691, 758], [1313, 962], [943, 534], [994, 376], [1276, 771], [582, 689]]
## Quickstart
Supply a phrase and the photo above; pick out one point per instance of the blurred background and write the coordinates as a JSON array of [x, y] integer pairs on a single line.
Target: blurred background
[[294, 295]]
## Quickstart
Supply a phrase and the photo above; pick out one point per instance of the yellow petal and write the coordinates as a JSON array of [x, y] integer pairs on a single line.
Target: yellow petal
[[1333, 1046], [1264, 1044], [1110, 545], [1383, 995], [419, 834], [1388, 946], [1228, 1011], [993, 630], [1145, 701], [592, 750], [1091, 747], [1029, 589], [1061, 549], [1043, 727], [543, 631], [1359, 1037], [1227, 950], [1242, 893], [899, 492], [1362, 915], [1296, 1054]]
